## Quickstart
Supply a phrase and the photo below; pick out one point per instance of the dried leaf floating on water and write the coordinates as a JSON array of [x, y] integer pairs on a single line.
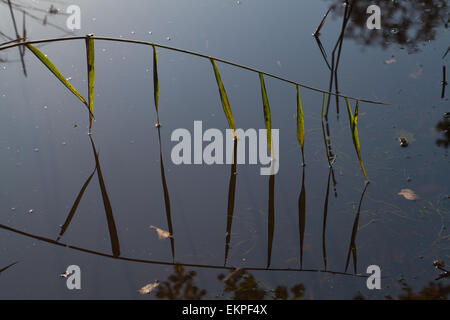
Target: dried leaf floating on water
[[408, 194], [162, 234], [148, 288]]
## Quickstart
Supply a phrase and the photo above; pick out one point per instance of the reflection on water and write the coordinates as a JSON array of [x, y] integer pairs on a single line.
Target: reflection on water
[[432, 291], [180, 286]]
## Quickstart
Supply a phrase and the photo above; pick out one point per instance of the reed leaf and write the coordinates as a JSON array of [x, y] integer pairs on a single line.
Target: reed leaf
[[90, 54], [56, 72], [224, 98], [155, 84], [353, 127], [267, 118], [300, 125]]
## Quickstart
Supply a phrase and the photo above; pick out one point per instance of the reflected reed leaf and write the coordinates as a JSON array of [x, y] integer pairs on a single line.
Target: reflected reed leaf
[[107, 205], [166, 195], [8, 266], [325, 216], [75, 205], [352, 247], [56, 72], [270, 218], [231, 197], [155, 85], [302, 216]]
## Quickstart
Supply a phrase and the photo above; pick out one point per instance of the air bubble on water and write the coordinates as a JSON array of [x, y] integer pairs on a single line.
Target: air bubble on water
[[45, 107], [36, 149], [149, 32], [168, 38], [13, 209], [30, 211], [103, 50], [394, 30], [69, 78], [132, 32], [64, 143]]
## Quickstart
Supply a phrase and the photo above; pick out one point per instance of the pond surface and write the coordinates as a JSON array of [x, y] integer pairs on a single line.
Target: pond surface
[[62, 205]]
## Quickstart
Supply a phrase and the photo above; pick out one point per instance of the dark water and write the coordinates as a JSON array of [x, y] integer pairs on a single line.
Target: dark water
[[47, 155]]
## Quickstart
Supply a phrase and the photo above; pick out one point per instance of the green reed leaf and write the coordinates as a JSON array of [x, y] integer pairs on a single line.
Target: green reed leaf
[[224, 98], [353, 122], [56, 72], [267, 118], [90, 54], [300, 124]]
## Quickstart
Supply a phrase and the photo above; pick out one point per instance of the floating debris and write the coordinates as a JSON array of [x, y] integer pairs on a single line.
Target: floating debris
[[162, 234], [403, 142], [389, 61], [149, 288], [408, 194], [416, 74], [438, 264]]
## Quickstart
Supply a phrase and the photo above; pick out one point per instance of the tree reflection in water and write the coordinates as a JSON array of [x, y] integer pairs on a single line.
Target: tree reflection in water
[[179, 286], [240, 285], [432, 291], [407, 23], [443, 126]]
